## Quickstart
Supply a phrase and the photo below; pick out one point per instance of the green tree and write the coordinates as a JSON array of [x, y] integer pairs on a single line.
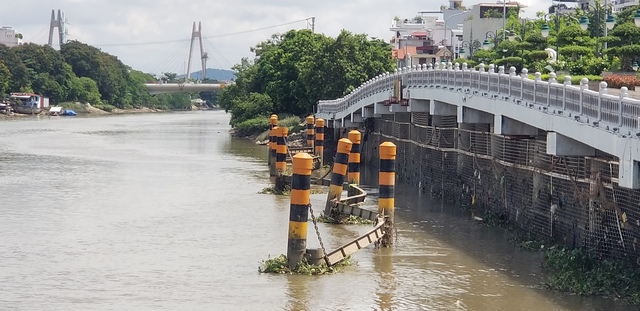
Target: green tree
[[20, 79], [625, 41], [110, 74], [250, 107], [5, 76], [296, 69]]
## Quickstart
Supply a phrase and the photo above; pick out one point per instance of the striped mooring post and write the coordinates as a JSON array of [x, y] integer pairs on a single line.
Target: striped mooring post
[[353, 174], [299, 208], [319, 143], [273, 122], [275, 133], [339, 173], [310, 131], [387, 181], [281, 149]]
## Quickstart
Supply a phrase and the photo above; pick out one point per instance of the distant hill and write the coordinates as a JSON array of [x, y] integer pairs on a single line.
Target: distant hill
[[212, 73]]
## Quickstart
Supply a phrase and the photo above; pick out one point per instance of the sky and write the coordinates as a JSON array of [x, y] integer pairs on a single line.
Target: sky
[[153, 35]]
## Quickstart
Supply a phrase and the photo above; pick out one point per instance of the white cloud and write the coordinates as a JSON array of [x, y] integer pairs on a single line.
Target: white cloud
[[120, 27]]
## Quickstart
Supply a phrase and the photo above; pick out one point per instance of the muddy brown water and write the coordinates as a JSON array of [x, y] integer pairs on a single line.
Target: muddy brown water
[[162, 212]]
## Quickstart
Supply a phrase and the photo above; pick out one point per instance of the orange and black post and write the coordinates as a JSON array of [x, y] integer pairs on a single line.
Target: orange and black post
[[275, 133], [353, 176], [339, 173], [310, 131], [281, 149], [273, 122], [387, 181], [319, 144], [299, 208]]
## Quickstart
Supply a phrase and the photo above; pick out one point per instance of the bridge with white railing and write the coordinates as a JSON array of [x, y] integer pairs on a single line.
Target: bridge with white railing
[[578, 121]]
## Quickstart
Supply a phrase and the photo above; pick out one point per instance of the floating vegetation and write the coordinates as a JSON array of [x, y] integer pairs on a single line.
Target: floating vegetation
[[276, 191], [345, 220], [279, 265], [493, 219], [528, 241], [583, 272], [318, 191]]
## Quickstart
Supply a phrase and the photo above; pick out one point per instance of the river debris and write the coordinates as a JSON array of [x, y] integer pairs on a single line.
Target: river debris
[[279, 265], [345, 220]]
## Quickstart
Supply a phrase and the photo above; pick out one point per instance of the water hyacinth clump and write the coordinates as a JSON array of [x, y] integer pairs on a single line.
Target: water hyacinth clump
[[279, 265]]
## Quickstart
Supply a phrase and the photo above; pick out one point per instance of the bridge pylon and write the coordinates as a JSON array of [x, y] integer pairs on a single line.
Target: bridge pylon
[[203, 56], [57, 23]]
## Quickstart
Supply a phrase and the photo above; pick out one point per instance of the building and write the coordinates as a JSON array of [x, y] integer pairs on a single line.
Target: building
[[427, 39], [9, 37], [486, 21], [621, 5]]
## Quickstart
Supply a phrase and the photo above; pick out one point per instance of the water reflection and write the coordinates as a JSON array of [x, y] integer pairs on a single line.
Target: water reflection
[[383, 265]]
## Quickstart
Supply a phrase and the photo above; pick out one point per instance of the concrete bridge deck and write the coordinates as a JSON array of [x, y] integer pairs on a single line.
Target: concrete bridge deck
[[159, 88], [578, 121]]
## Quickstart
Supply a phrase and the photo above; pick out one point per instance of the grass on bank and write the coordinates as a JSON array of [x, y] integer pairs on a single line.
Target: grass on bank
[[583, 272], [279, 265]]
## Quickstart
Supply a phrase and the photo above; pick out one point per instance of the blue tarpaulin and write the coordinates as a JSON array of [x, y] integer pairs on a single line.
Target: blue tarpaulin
[[69, 112]]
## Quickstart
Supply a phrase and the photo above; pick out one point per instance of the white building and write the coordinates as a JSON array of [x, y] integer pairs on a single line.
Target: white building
[[621, 5], [485, 21], [427, 39], [9, 37]]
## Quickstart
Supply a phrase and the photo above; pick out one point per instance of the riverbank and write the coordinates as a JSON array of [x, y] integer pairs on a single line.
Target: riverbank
[[89, 110]]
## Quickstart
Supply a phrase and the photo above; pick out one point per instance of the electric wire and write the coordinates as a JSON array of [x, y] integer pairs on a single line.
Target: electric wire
[[213, 36]]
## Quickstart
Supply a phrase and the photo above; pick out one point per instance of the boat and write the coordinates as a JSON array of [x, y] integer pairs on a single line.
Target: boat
[[68, 112], [29, 103]]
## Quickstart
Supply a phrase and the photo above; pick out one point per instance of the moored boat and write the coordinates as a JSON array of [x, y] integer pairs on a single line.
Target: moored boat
[[29, 103]]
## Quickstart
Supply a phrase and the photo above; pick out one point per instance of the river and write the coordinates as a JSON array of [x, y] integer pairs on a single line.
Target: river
[[163, 212]]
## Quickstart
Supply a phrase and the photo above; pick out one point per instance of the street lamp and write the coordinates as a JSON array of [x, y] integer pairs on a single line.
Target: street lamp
[[636, 18], [471, 45], [444, 37], [486, 44], [545, 29], [609, 22], [634, 66]]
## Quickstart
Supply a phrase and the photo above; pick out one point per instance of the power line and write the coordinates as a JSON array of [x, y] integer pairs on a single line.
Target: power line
[[207, 37]]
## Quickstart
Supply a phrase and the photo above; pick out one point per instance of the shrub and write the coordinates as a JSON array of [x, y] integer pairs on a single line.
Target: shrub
[[252, 126], [575, 80], [618, 81]]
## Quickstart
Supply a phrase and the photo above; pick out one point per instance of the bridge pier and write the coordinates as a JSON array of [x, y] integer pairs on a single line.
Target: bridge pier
[[418, 105], [506, 126], [470, 115], [560, 145], [629, 174]]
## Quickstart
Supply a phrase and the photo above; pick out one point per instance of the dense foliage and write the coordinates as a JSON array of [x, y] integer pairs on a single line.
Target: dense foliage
[[80, 73], [292, 71], [583, 272], [580, 52]]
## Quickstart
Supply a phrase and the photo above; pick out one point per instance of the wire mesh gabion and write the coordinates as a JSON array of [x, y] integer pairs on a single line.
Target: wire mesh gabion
[[572, 200]]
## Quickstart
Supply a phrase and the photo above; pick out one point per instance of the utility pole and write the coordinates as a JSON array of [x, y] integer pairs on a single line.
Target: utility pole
[[313, 24]]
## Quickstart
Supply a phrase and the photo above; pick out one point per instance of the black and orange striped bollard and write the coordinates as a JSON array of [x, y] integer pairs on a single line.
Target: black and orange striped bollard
[[339, 174], [281, 150], [319, 144], [273, 122], [387, 181], [275, 133], [353, 176], [310, 131], [299, 208], [353, 171]]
